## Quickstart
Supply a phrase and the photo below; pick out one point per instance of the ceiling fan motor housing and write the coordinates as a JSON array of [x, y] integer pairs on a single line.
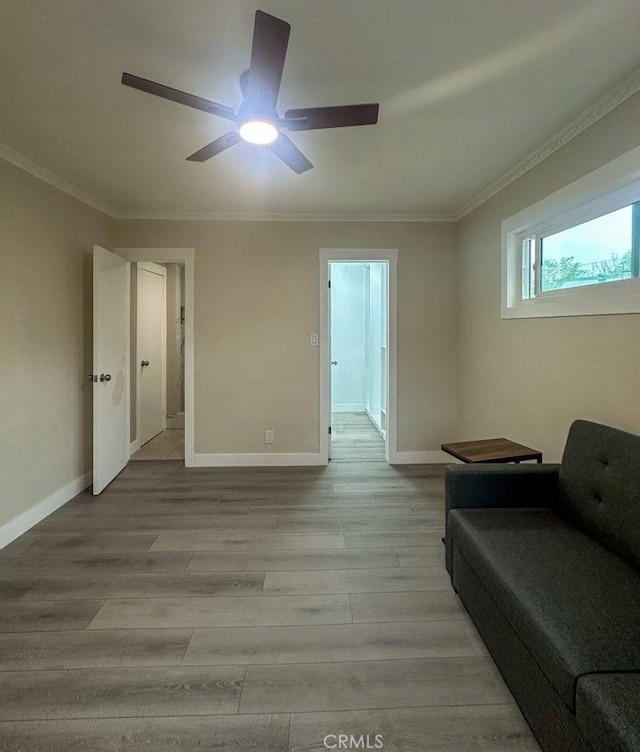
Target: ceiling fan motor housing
[[250, 111]]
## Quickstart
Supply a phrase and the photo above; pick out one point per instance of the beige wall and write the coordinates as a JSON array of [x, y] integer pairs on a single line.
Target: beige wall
[[257, 291], [256, 301], [256, 287], [528, 379], [45, 338]]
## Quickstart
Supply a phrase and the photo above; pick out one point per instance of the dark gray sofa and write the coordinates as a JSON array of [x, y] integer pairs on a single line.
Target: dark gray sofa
[[546, 559]]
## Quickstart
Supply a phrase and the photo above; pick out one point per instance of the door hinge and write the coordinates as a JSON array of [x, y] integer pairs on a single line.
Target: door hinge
[[329, 429], [329, 284]]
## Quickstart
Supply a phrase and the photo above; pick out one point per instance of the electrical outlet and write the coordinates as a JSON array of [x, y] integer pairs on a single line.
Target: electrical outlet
[[268, 436]]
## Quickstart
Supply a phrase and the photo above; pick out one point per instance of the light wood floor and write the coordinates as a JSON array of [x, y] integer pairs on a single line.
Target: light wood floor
[[168, 445], [245, 609], [355, 439]]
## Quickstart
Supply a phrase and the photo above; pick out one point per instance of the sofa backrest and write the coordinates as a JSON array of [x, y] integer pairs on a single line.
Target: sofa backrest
[[599, 486]]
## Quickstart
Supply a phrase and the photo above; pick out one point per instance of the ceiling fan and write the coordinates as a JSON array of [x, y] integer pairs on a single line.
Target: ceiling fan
[[257, 120]]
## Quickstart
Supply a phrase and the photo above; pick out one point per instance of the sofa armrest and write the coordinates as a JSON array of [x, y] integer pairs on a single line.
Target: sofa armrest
[[497, 485], [500, 485]]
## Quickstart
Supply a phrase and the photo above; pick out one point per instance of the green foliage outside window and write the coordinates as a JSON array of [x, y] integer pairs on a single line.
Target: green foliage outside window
[[567, 272]]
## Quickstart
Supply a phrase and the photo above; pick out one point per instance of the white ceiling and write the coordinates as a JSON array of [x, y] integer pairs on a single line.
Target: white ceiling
[[467, 90]]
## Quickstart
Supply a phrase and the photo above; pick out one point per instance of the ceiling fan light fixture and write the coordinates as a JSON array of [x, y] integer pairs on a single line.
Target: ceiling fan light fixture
[[258, 131], [257, 120]]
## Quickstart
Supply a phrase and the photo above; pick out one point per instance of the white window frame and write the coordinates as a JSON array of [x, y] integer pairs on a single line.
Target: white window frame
[[604, 190]]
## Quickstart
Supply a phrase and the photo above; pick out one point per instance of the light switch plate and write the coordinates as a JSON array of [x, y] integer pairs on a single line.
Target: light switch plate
[[314, 339]]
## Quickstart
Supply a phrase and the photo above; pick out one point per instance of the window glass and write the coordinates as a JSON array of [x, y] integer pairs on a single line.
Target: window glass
[[590, 253]]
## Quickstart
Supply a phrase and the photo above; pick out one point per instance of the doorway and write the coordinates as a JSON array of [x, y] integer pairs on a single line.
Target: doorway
[[158, 360], [149, 351], [175, 439], [358, 355]]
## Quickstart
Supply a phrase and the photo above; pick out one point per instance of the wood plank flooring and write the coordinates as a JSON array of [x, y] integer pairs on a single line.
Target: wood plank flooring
[[354, 438], [245, 609]]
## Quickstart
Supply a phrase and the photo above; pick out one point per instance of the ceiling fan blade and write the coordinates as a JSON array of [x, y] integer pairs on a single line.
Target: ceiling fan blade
[[215, 147], [269, 49], [181, 97], [288, 152], [313, 118]]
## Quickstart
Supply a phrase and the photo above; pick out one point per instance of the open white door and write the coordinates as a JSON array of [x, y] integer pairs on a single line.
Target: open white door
[[111, 337]]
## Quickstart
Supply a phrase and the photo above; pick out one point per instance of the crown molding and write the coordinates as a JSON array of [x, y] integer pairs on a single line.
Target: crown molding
[[622, 91], [17, 159], [28, 165], [625, 89], [285, 217]]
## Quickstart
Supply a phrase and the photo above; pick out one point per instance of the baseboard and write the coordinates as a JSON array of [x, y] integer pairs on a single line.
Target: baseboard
[[375, 424], [133, 447], [436, 457], [267, 459], [348, 407], [273, 459], [25, 521]]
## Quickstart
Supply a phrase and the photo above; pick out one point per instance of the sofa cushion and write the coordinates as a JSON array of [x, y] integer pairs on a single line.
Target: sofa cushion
[[599, 486], [608, 711], [574, 604]]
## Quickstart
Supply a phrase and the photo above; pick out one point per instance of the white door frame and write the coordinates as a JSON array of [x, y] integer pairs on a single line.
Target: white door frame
[[184, 256], [154, 268], [390, 255]]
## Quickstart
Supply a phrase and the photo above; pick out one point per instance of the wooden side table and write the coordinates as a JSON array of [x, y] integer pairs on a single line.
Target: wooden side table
[[491, 450]]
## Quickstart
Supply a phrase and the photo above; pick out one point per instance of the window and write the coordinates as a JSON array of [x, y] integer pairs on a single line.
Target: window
[[578, 251], [604, 249]]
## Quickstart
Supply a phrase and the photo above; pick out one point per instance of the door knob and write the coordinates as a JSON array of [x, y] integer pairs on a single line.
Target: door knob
[[144, 363], [105, 377], [334, 362]]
